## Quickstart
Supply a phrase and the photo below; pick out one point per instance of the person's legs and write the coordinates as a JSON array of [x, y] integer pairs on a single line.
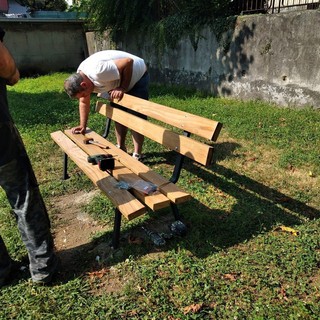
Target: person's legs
[[121, 133], [137, 139], [140, 90], [19, 182]]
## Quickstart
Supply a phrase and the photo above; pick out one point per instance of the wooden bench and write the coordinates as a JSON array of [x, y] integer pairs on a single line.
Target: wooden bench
[[133, 203]]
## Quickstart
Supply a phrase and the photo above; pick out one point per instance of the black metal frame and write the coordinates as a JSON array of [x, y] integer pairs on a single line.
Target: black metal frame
[[65, 167], [116, 228], [271, 6]]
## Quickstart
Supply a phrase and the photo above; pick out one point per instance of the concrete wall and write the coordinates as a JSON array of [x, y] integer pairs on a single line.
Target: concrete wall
[[42, 46], [97, 42], [275, 58]]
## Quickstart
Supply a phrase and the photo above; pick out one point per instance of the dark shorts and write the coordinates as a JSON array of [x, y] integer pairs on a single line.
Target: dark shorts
[[140, 90]]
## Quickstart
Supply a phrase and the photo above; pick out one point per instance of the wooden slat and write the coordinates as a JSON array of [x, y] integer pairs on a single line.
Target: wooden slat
[[127, 204], [193, 149], [202, 127], [154, 201], [172, 191]]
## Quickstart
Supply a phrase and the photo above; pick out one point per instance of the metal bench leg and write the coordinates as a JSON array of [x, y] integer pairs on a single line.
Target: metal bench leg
[[65, 167], [116, 229], [179, 163], [107, 128], [175, 211]]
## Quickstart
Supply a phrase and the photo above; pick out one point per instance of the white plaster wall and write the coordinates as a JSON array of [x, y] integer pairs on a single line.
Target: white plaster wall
[[270, 57]]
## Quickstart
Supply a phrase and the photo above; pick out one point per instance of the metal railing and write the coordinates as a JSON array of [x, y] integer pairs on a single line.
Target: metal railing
[[274, 6]]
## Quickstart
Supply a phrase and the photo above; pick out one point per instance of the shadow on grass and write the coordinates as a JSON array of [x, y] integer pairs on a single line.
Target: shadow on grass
[[255, 209]]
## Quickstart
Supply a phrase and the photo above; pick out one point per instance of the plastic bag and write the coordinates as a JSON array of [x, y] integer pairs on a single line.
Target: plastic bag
[[123, 185], [145, 187], [139, 185]]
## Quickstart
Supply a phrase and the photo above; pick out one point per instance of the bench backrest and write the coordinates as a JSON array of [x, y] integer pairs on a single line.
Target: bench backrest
[[174, 140]]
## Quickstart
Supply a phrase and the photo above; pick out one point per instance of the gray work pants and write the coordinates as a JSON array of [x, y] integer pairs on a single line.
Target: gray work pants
[[19, 182]]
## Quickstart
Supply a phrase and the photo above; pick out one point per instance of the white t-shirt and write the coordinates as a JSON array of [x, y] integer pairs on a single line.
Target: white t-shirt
[[103, 72]]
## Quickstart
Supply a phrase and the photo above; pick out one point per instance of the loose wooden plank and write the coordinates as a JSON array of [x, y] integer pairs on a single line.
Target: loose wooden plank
[[171, 190], [154, 201], [127, 204], [188, 147], [202, 127]]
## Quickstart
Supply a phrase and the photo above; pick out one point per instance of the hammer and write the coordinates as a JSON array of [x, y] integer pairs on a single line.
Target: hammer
[[91, 141]]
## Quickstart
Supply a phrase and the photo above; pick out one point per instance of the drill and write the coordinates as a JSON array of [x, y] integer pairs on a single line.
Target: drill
[[104, 161]]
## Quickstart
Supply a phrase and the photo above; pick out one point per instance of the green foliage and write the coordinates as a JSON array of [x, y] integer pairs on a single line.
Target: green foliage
[[166, 22]]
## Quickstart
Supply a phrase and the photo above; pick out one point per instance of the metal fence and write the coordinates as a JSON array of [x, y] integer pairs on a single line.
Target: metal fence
[[274, 6]]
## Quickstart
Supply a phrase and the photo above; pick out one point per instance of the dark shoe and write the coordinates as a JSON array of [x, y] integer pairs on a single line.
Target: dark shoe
[[5, 281], [15, 272], [49, 278]]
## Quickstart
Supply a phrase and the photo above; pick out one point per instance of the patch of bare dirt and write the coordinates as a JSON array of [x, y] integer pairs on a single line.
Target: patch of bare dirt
[[107, 280], [72, 227]]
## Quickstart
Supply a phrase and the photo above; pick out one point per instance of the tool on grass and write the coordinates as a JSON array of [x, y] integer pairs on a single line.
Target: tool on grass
[[91, 141], [155, 237], [104, 161], [178, 228]]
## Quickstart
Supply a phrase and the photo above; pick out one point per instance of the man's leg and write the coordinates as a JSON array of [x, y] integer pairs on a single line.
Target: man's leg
[[140, 90], [137, 139], [18, 180], [121, 133], [5, 263]]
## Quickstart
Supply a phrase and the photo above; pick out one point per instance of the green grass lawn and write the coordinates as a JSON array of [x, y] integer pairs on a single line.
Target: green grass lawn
[[252, 250]]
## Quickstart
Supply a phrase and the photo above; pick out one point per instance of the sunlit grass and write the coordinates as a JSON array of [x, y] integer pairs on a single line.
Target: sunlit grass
[[234, 262]]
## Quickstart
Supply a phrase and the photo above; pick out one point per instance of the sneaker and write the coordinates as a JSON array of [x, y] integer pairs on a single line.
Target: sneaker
[[138, 156], [124, 149]]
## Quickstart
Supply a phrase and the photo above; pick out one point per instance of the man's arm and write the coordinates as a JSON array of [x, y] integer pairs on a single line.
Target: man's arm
[[125, 67], [84, 109], [8, 69]]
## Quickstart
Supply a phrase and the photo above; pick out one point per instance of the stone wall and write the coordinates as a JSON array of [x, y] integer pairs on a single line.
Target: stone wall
[[275, 58]]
